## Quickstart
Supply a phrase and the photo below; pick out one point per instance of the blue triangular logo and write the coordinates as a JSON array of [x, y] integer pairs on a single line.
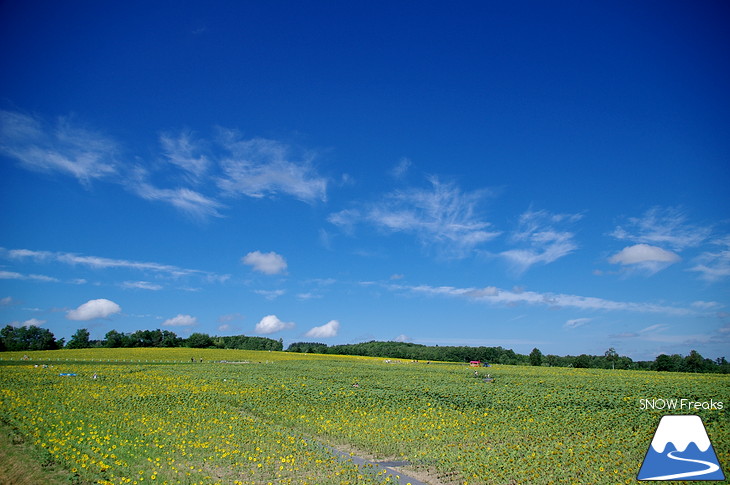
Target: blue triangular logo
[[680, 450]]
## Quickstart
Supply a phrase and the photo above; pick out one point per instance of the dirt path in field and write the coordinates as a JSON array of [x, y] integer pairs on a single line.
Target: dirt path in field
[[394, 468], [401, 471]]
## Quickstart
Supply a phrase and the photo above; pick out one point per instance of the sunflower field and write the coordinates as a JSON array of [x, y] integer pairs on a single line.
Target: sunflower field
[[190, 416]]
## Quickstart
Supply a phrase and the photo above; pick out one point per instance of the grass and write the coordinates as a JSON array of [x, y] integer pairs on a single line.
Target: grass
[[21, 463]]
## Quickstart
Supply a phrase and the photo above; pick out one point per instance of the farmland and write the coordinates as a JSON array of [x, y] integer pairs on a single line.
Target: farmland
[[154, 415]]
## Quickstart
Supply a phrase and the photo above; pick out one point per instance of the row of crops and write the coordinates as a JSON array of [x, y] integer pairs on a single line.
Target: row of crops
[[155, 415]]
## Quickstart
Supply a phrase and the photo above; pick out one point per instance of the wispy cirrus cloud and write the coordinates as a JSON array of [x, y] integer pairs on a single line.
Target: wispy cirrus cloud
[[714, 265], [542, 238], [661, 233], [665, 334], [707, 305], [576, 322], [12, 275], [270, 294], [99, 262], [260, 167], [440, 216], [61, 146], [497, 296], [401, 168], [664, 227], [187, 153], [141, 285], [646, 331], [7, 301], [184, 199], [226, 165]]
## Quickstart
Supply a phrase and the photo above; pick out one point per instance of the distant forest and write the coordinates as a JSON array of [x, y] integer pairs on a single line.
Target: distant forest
[[36, 338], [693, 362]]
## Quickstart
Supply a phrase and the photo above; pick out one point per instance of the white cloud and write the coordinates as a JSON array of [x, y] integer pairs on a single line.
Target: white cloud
[[576, 322], [185, 152], [256, 167], [230, 317], [267, 263], [643, 253], [19, 128], [270, 294], [644, 256], [272, 324], [141, 285], [657, 327], [27, 253], [259, 167], [180, 321], [184, 199], [33, 322], [400, 169], [345, 219], [227, 322], [62, 148], [659, 333], [707, 305], [545, 239], [498, 296], [402, 338], [98, 262], [663, 226], [714, 265], [327, 330], [12, 275], [92, 309], [7, 301], [441, 216]]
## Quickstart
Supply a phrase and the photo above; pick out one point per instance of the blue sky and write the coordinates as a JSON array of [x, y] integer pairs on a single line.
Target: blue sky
[[522, 174]]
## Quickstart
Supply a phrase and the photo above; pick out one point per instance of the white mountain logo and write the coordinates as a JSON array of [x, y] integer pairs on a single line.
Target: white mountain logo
[[680, 450]]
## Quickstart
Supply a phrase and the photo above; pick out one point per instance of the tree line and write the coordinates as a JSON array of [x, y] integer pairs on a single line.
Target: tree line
[[36, 338], [693, 362]]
